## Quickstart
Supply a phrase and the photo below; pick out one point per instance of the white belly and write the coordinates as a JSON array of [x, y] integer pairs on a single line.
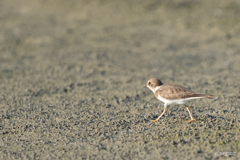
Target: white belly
[[177, 101]]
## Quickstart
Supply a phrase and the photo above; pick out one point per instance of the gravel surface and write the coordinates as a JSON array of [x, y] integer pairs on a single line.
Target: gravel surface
[[71, 77]]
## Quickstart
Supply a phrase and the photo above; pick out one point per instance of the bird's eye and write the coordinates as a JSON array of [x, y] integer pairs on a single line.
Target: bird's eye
[[149, 82]]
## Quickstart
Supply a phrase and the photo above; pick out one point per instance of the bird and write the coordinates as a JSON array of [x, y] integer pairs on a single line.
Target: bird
[[171, 94]]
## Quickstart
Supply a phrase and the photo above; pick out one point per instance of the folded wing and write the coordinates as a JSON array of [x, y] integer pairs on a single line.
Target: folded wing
[[174, 91]]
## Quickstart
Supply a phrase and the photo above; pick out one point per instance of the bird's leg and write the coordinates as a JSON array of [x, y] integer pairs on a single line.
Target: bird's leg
[[189, 114], [165, 106]]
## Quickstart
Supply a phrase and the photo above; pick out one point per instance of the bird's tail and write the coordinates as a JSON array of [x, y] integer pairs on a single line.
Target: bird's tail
[[204, 96]]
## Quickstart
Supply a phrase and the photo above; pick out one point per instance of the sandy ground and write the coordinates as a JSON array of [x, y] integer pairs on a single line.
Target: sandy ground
[[71, 77]]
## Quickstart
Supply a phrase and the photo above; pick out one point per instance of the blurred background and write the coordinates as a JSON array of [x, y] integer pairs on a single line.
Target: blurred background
[[66, 64]]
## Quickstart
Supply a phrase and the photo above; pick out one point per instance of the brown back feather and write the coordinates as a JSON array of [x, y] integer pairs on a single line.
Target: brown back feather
[[174, 91]]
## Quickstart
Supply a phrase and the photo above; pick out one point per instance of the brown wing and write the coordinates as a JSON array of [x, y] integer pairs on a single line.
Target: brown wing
[[174, 91]]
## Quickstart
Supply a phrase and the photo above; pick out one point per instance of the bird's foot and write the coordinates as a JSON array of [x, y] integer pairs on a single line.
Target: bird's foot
[[191, 120], [154, 120]]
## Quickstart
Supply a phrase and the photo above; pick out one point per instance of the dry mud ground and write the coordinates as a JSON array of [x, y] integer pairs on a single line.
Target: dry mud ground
[[71, 77]]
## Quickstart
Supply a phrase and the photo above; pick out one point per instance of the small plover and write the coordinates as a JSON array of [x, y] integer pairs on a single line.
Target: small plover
[[173, 94]]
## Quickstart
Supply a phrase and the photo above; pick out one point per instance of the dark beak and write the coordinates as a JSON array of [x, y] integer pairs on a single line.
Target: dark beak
[[144, 85]]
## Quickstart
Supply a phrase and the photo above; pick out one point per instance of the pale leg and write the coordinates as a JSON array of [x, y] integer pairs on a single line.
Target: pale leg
[[165, 106], [189, 114]]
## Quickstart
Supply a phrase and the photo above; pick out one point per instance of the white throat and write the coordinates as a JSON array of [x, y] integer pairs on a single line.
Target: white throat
[[156, 88]]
